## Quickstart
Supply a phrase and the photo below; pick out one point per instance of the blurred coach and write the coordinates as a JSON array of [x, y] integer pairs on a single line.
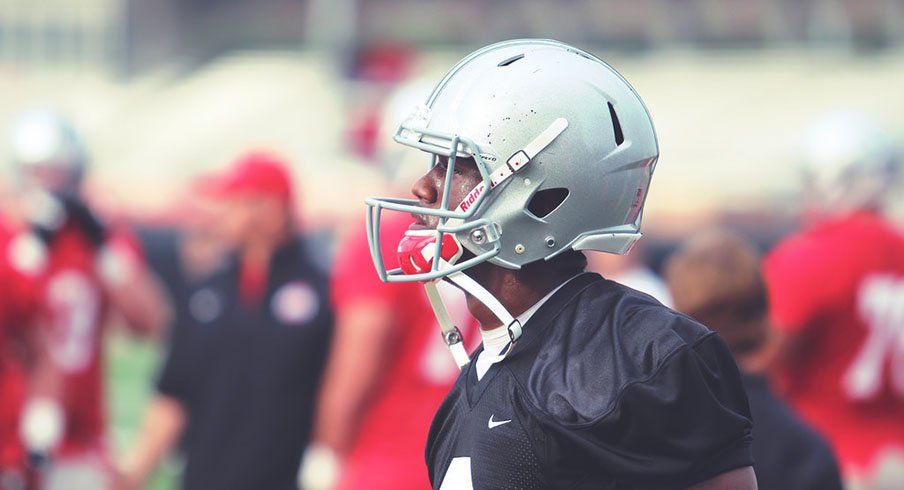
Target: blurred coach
[[243, 368]]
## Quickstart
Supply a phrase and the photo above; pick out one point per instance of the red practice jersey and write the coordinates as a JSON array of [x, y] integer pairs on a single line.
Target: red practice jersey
[[74, 307], [839, 288], [389, 450]]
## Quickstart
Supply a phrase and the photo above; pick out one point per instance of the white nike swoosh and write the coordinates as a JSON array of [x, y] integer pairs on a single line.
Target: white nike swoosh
[[496, 423]]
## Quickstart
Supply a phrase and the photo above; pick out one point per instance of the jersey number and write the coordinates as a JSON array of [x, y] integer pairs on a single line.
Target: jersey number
[[73, 303], [881, 306], [458, 476]]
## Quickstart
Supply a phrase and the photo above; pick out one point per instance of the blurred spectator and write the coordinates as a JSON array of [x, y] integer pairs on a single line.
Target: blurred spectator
[[245, 360], [631, 270], [837, 295], [389, 367], [715, 277], [85, 271]]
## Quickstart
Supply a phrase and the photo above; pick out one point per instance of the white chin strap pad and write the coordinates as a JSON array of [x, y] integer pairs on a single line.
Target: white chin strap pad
[[451, 333]]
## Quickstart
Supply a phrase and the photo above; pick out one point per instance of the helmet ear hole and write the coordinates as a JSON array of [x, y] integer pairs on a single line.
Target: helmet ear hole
[[546, 201]]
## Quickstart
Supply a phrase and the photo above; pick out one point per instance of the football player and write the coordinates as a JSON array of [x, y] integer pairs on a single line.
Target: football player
[[541, 150], [837, 294], [87, 271]]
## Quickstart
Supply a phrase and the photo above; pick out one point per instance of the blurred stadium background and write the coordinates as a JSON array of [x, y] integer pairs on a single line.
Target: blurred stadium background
[[166, 89]]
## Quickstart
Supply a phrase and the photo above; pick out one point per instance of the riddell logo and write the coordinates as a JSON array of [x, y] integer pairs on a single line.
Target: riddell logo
[[467, 202]]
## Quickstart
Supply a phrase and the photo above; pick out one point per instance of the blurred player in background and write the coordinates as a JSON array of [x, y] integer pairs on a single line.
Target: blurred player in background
[[245, 359], [837, 295], [715, 277], [389, 368], [88, 271]]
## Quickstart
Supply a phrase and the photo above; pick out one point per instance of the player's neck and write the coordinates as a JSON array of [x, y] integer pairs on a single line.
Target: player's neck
[[517, 290], [259, 249]]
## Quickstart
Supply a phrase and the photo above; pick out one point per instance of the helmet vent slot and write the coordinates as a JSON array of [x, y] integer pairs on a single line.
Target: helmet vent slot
[[546, 201], [511, 60], [616, 126]]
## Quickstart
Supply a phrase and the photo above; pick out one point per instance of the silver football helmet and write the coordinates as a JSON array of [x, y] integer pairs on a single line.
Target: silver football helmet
[[542, 120], [848, 162], [46, 151]]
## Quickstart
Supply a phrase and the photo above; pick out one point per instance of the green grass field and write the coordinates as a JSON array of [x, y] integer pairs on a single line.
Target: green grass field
[[131, 367]]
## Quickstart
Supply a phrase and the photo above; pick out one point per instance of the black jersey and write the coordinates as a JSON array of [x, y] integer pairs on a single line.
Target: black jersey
[[606, 389]]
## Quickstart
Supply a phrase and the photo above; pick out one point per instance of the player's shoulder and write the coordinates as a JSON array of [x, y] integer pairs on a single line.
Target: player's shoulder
[[802, 254], [21, 250], [880, 229], [604, 339], [802, 244], [841, 240], [9, 226], [848, 230]]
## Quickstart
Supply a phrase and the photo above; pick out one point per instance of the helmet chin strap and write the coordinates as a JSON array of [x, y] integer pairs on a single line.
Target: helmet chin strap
[[451, 334]]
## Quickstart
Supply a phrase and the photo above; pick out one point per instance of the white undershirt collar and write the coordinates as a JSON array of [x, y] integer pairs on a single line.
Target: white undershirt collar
[[496, 339]]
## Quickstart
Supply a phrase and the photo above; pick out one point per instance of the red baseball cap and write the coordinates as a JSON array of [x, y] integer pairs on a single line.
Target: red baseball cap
[[254, 173]]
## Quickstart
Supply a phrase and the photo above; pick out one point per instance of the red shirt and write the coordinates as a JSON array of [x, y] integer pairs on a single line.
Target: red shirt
[[840, 286], [75, 307], [389, 451]]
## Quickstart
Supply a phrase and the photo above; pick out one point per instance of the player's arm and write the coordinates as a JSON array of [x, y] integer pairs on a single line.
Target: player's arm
[[362, 346], [739, 479], [134, 291], [166, 414], [162, 428], [42, 423], [687, 424]]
